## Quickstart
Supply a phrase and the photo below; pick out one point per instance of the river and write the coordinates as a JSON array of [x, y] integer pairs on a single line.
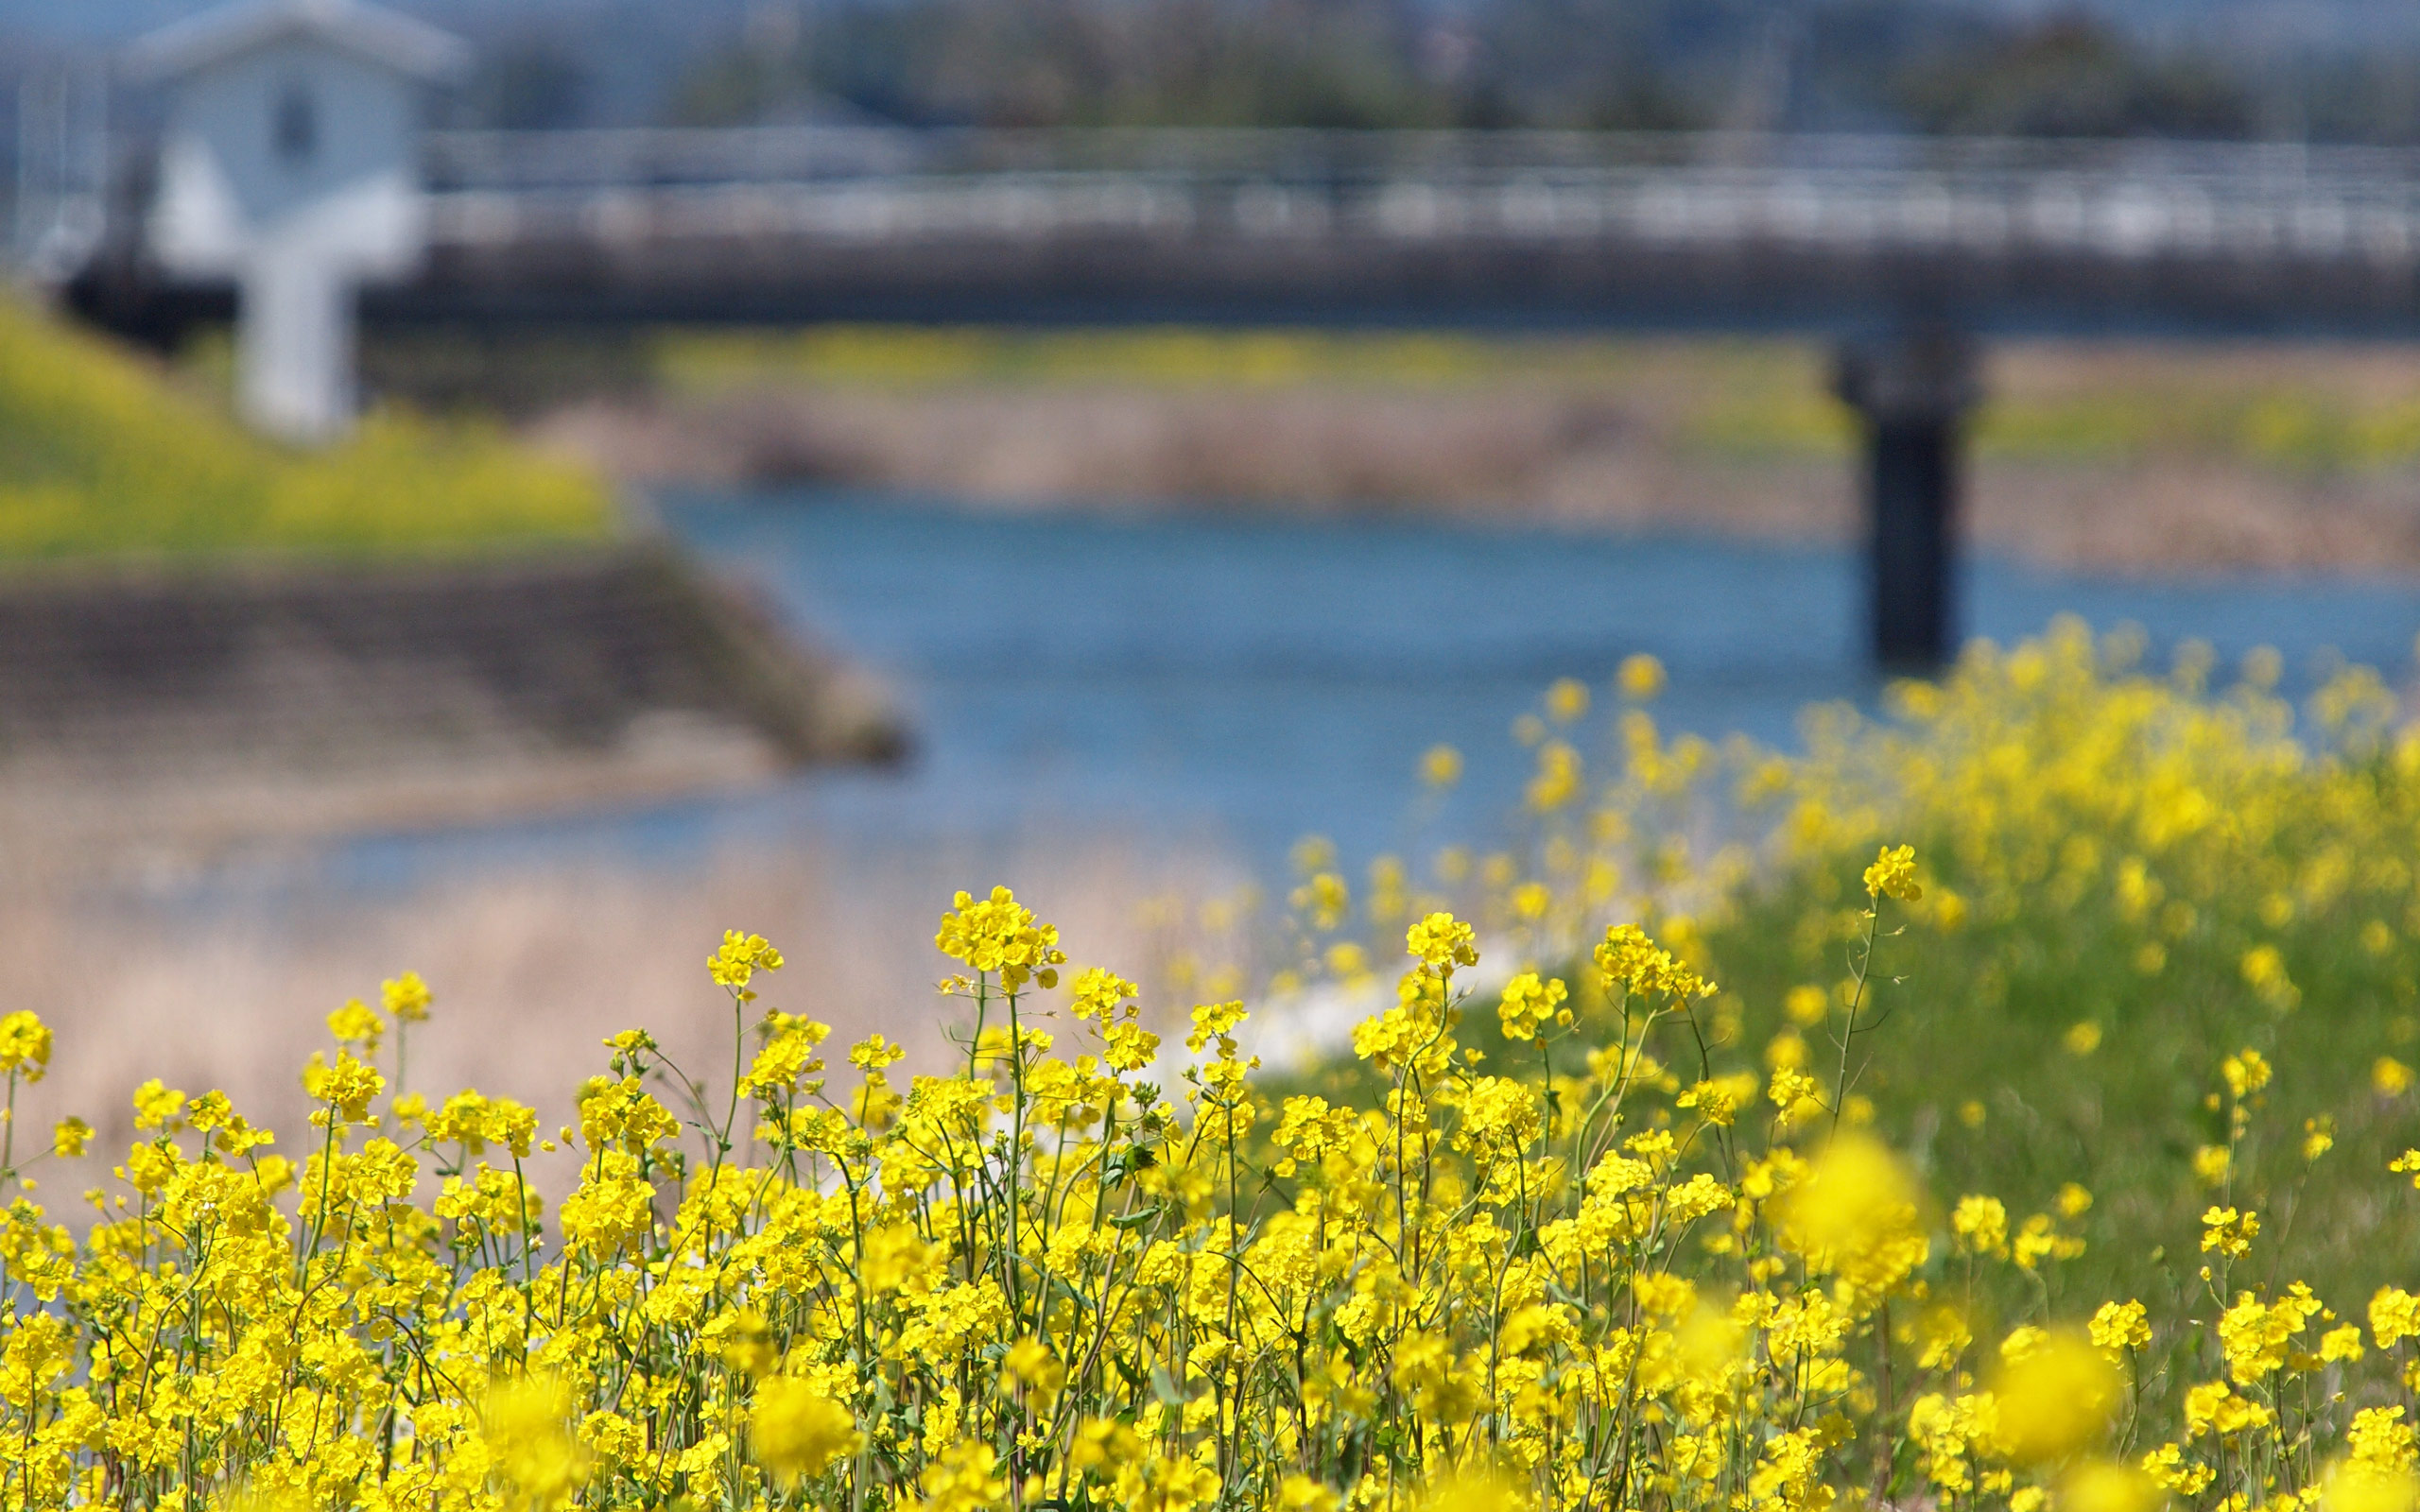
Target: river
[[1241, 681]]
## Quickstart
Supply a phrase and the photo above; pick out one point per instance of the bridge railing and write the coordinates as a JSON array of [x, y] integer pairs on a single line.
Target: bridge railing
[[639, 158], [2123, 200]]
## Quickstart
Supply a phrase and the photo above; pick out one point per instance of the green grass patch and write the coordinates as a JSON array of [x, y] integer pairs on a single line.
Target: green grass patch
[[103, 455], [1723, 399], [1153, 356]]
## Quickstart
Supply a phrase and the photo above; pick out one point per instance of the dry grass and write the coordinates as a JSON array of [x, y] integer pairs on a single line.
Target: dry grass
[[2134, 457], [1520, 453]]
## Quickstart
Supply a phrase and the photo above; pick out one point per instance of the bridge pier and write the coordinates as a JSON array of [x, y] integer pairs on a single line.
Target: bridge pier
[[1911, 394]]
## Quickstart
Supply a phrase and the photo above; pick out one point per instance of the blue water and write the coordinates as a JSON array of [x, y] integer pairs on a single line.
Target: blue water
[[1251, 680]]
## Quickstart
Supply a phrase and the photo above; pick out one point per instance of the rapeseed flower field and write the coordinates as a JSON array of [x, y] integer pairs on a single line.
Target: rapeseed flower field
[[1583, 1218]]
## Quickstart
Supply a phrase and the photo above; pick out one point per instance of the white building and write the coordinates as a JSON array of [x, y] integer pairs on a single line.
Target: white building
[[289, 162]]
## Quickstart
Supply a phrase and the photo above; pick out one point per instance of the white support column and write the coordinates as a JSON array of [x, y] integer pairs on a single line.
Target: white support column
[[294, 344]]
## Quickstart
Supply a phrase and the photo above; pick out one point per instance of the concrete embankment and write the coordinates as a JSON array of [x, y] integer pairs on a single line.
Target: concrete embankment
[[195, 709]]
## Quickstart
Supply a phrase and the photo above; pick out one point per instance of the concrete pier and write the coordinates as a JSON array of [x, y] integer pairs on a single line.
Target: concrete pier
[[1913, 393]]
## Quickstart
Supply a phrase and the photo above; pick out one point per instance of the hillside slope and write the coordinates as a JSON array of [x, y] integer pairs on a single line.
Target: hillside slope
[[103, 455]]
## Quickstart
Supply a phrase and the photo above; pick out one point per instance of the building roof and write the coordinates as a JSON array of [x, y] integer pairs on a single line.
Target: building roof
[[370, 32]]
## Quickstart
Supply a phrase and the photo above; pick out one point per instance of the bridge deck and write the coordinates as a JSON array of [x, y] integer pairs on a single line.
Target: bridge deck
[[1831, 234]]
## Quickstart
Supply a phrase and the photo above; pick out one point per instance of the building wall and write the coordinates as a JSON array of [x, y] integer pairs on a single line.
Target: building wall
[[295, 142]]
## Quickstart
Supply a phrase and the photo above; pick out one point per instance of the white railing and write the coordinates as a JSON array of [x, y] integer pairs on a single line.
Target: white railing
[[54, 198], [2100, 200]]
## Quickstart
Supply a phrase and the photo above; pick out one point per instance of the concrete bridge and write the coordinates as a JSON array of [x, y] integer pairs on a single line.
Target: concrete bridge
[[1903, 252], [1832, 236]]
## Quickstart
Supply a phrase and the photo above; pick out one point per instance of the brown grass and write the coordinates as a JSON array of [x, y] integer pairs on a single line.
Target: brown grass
[[2144, 458]]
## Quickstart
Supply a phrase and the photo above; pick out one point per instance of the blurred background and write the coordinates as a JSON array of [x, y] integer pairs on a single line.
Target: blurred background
[[2291, 70], [508, 490]]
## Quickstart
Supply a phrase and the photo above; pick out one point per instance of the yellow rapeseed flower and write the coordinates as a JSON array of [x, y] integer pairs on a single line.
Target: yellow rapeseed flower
[[155, 1106], [1528, 1003], [2356, 1487], [2229, 1231], [25, 1045], [1855, 1215], [797, 1432], [356, 1024], [526, 1424], [2055, 1399], [2106, 1485], [406, 997], [1980, 1223], [2394, 1315], [1640, 677], [1894, 874], [742, 956], [2118, 1326]]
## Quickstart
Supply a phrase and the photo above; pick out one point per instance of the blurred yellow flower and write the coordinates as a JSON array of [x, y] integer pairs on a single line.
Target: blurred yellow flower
[[1640, 678], [406, 997], [526, 1424], [2105, 1485], [1442, 766], [2055, 1399], [797, 1432]]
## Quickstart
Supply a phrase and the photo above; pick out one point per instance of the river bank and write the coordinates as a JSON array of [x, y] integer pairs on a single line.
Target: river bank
[[2133, 458]]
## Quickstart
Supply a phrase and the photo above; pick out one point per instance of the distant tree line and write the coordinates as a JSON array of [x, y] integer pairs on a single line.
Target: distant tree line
[[1924, 65]]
